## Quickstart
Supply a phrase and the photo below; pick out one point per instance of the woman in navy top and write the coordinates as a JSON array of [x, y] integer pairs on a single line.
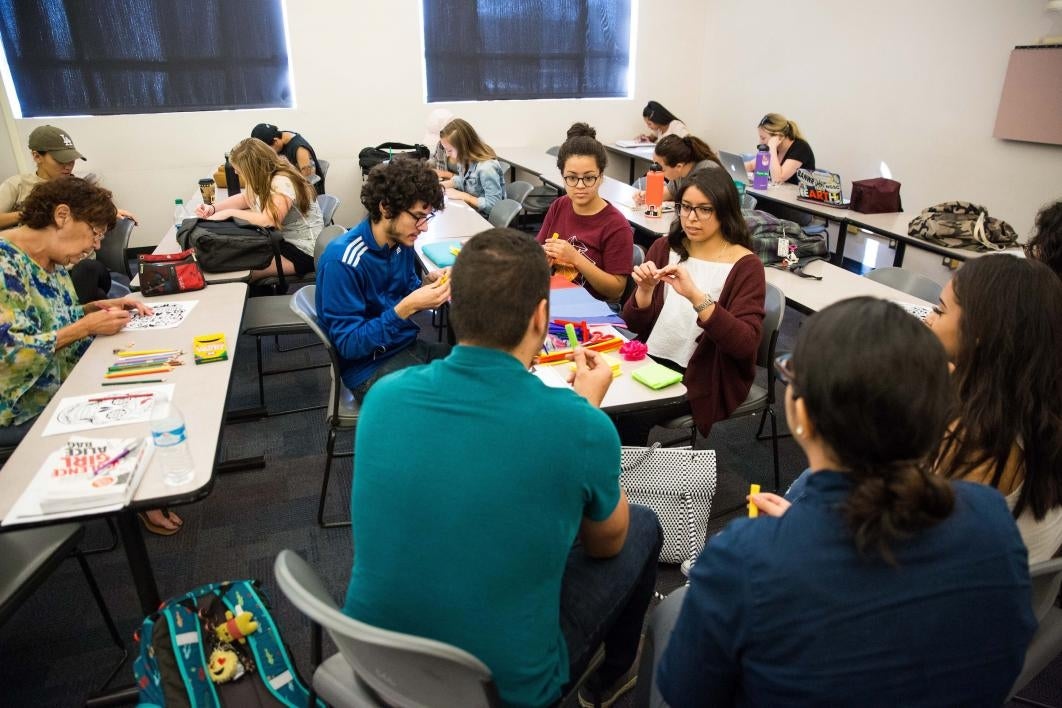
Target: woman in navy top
[[882, 584]]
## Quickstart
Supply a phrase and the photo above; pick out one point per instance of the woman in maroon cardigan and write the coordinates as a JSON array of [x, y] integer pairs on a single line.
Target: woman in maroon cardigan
[[698, 305]]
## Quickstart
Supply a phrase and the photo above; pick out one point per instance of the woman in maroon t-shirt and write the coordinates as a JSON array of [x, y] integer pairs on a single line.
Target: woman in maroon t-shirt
[[585, 238]]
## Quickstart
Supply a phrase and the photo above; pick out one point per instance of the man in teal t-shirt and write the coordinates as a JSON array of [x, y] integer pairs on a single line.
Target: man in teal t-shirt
[[472, 481]]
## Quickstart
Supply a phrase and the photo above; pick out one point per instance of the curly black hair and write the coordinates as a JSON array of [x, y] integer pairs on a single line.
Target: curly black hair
[[1046, 243], [88, 203], [393, 187]]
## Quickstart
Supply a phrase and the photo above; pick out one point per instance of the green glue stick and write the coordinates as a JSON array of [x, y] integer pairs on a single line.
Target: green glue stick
[[573, 341]]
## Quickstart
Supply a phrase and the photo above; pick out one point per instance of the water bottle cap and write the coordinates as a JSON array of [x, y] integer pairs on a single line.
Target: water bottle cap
[[655, 168], [178, 201], [762, 147]]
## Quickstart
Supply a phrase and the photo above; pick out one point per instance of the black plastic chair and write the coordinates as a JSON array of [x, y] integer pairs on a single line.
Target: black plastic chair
[[28, 557]]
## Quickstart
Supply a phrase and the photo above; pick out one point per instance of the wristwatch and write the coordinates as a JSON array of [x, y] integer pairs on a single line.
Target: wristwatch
[[705, 304]]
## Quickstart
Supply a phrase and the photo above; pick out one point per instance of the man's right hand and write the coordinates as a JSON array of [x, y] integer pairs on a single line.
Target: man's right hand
[[592, 375], [425, 297]]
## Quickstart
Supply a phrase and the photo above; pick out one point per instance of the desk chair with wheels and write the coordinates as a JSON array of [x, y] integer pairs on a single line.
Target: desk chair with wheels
[[378, 667], [341, 413], [30, 556], [1046, 644], [271, 316], [323, 164], [760, 400], [907, 281], [504, 212]]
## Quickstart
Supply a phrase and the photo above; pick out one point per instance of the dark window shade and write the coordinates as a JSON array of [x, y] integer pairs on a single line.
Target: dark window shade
[[106, 57], [526, 49]]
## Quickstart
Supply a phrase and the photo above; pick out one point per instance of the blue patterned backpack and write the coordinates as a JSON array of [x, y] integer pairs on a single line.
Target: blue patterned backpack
[[216, 646]]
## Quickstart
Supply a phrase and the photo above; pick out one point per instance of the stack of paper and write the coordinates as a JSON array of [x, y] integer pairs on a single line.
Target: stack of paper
[[86, 473]]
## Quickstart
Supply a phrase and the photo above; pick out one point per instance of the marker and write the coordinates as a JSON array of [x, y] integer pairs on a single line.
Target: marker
[[126, 383], [146, 352], [754, 510], [441, 281], [556, 235], [455, 250], [125, 451], [121, 398], [573, 341]]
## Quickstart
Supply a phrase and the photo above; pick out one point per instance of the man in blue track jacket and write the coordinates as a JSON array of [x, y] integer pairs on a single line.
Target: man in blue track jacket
[[367, 283]]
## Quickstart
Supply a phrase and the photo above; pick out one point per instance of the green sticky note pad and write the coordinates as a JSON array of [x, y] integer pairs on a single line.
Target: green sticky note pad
[[656, 376]]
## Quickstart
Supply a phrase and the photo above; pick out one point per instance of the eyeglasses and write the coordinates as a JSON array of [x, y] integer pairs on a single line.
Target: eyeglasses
[[421, 219], [587, 181], [703, 211], [98, 232]]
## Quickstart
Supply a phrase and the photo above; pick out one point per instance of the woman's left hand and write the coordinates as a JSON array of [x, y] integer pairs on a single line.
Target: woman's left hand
[[770, 504], [680, 281], [122, 303], [560, 251]]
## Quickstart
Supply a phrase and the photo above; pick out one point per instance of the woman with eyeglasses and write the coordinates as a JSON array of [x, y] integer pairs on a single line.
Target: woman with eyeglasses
[[43, 329], [678, 158], [789, 150], [1000, 321], [275, 195], [1046, 243], [479, 181], [698, 305], [883, 584], [585, 238]]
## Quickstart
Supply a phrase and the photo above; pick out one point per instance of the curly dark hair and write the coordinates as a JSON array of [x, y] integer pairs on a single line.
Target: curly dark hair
[[1046, 244], [88, 203], [395, 186]]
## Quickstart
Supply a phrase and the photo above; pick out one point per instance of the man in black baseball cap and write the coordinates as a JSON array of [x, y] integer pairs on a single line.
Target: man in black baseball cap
[[294, 147]]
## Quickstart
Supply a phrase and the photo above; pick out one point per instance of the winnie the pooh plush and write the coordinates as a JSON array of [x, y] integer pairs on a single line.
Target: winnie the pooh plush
[[236, 627]]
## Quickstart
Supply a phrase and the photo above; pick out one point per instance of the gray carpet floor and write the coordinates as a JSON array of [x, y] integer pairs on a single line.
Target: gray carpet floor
[[56, 652]]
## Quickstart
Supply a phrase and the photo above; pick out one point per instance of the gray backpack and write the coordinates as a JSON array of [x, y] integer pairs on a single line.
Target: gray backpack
[[959, 224]]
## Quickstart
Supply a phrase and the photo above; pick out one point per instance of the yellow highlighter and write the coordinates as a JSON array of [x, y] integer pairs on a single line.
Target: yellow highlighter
[[754, 510], [442, 280]]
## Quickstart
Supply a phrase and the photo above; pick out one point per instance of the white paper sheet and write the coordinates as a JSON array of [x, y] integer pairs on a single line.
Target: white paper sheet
[[106, 408], [167, 315]]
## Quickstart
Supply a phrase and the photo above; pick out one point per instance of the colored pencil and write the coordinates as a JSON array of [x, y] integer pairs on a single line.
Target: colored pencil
[[126, 383]]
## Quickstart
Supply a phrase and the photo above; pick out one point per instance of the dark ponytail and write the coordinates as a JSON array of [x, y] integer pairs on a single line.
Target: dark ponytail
[[658, 114], [881, 429], [690, 149]]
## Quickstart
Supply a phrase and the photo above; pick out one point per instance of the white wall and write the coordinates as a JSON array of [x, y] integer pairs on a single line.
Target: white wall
[[913, 82], [358, 81]]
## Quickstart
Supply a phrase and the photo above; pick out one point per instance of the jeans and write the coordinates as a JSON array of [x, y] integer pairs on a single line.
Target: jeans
[[605, 600], [661, 622], [419, 352]]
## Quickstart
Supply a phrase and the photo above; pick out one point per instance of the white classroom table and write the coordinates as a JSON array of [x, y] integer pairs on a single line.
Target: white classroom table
[[633, 155], [199, 391], [892, 225], [460, 222], [809, 295]]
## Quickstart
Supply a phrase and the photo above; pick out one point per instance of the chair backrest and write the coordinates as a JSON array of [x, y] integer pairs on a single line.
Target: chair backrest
[[114, 245], [304, 305], [907, 281], [328, 235], [748, 201], [518, 190], [507, 169], [555, 150], [774, 307], [323, 164], [402, 669], [328, 203], [1046, 578], [504, 212], [638, 257]]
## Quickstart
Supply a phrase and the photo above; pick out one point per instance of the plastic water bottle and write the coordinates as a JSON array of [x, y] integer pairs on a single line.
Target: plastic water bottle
[[761, 174], [178, 212], [171, 444]]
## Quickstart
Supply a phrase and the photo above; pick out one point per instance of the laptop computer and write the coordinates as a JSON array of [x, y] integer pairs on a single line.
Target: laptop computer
[[820, 187], [735, 166]]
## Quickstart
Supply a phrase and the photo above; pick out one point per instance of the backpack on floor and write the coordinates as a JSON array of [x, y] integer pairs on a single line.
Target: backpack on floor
[[223, 629]]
